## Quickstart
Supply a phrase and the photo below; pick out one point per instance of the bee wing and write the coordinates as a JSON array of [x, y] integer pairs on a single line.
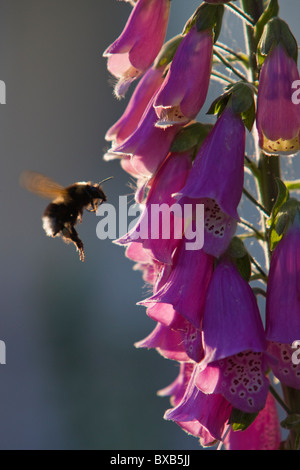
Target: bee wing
[[42, 185]]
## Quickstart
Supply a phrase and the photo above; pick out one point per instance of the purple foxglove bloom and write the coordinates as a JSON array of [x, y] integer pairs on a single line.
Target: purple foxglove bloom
[[231, 319], [126, 164], [167, 342], [185, 286], [278, 118], [185, 87], [218, 170], [219, 227], [160, 232], [142, 38], [283, 300], [285, 363], [202, 415], [177, 388], [146, 88], [148, 145], [144, 262], [263, 434], [191, 338], [240, 379]]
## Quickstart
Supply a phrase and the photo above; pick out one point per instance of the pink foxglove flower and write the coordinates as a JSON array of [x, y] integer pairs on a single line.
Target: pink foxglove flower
[[185, 285], [219, 227], [148, 145], [231, 319], [177, 388], [167, 342], [285, 363], [136, 48], [144, 262], [263, 434], [160, 227], [218, 170], [202, 415], [278, 117], [240, 378], [185, 87], [138, 102], [189, 337], [283, 300]]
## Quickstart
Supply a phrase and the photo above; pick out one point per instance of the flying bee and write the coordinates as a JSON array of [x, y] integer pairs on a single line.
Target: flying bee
[[67, 206]]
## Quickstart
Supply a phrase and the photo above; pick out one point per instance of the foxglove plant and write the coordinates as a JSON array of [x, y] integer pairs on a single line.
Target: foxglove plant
[[203, 296]]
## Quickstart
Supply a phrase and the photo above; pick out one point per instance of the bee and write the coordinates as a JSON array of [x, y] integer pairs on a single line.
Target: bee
[[67, 206]]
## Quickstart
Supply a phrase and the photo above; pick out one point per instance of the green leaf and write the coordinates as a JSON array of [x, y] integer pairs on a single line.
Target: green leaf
[[285, 217], [238, 252], [277, 231], [241, 420], [277, 32], [248, 117], [219, 104], [237, 248], [190, 137], [240, 97], [271, 11], [206, 17], [282, 197], [168, 51], [292, 421]]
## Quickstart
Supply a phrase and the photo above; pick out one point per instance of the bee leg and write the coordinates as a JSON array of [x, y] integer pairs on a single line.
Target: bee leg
[[70, 234]]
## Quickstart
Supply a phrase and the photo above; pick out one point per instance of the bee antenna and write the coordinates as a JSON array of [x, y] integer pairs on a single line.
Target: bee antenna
[[106, 179]]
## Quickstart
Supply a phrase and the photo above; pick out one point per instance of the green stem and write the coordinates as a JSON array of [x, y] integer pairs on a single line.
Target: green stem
[[257, 233], [221, 77], [279, 399], [265, 211], [230, 66], [241, 13], [239, 56], [259, 269]]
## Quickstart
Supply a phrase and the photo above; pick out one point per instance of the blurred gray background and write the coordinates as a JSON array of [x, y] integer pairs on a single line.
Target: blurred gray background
[[73, 379]]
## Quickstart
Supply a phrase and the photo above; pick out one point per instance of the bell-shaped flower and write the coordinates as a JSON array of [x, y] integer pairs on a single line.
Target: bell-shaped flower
[[191, 337], [160, 226], [285, 363], [263, 434], [144, 91], [167, 342], [185, 285], [135, 49], [202, 415], [283, 299], [177, 388], [148, 145], [185, 87], [231, 320], [278, 114], [144, 262], [218, 169], [240, 378], [217, 229]]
